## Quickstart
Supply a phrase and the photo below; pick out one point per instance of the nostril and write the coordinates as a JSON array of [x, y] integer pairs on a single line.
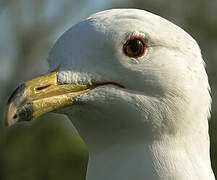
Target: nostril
[[43, 87]]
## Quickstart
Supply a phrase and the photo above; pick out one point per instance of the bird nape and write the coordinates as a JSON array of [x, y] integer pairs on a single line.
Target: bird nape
[[135, 87]]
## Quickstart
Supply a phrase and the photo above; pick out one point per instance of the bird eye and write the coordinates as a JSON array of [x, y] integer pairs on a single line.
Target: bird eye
[[134, 47]]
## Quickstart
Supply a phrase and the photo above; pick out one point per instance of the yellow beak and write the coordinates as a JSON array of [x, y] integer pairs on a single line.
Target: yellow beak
[[39, 96]]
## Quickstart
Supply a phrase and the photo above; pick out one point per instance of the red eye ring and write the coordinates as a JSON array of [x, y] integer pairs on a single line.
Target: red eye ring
[[134, 47]]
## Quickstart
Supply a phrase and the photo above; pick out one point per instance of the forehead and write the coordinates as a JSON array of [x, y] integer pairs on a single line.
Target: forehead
[[124, 20], [114, 26], [160, 30]]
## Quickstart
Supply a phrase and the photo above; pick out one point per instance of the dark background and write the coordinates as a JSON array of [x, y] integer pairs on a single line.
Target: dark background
[[50, 148]]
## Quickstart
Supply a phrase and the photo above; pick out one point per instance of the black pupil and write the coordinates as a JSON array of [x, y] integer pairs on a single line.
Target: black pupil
[[134, 48]]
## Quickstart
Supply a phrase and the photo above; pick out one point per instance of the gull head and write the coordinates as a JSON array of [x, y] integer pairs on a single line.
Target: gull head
[[135, 87], [121, 75]]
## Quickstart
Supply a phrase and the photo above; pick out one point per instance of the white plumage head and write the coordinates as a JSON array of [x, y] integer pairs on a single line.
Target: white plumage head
[[160, 116], [163, 88]]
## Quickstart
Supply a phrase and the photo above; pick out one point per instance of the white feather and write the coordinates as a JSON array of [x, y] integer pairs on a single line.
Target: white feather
[[157, 127]]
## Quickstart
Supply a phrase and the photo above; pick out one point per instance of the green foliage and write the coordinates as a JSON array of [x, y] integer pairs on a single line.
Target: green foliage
[[48, 148]]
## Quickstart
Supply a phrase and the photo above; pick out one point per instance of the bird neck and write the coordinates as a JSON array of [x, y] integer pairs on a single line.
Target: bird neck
[[164, 159], [167, 139]]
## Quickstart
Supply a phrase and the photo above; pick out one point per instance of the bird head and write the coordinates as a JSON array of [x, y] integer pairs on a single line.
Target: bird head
[[120, 73]]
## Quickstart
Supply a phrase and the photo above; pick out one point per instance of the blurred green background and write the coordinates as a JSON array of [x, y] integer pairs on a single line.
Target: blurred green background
[[50, 148]]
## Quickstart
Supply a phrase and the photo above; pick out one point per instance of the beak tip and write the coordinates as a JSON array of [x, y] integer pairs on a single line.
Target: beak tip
[[8, 122], [10, 116]]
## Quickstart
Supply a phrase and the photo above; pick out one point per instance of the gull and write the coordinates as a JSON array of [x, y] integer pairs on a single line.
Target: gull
[[135, 87]]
